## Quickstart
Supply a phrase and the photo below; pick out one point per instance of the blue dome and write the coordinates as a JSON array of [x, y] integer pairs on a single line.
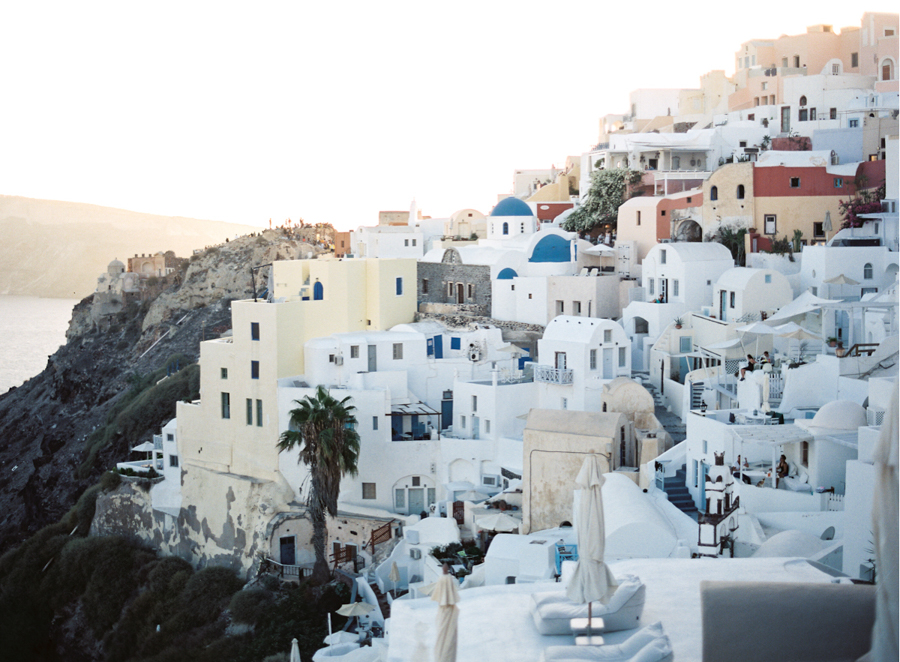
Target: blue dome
[[512, 207], [507, 274]]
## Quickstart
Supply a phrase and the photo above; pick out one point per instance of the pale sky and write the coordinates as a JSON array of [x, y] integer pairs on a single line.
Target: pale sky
[[332, 111]]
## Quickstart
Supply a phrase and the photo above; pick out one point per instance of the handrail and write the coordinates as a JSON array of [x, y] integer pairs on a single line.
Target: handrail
[[867, 348]]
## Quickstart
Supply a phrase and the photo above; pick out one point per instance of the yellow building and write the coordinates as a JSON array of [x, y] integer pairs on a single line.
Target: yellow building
[[234, 427]]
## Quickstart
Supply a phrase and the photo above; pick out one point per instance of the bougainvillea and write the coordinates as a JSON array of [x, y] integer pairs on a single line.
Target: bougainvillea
[[866, 202]]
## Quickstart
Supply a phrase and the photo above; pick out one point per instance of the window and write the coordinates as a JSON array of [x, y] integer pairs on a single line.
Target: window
[[854, 60], [505, 227], [662, 256], [818, 230], [399, 285], [684, 344], [838, 182], [814, 290], [853, 124], [226, 405], [560, 307], [224, 373], [889, 32], [804, 115], [674, 288], [576, 308], [804, 453], [416, 481], [398, 351], [474, 403], [455, 343], [887, 70], [607, 335], [835, 69], [714, 193], [414, 242], [832, 113], [471, 291], [259, 416], [731, 300], [406, 242], [784, 62], [354, 351], [254, 330], [768, 278], [867, 271], [374, 422], [663, 211], [399, 498], [254, 369], [621, 357], [812, 114], [650, 283], [173, 460], [249, 411], [593, 359], [487, 426], [795, 182], [743, 143], [802, 100], [170, 437], [462, 422], [424, 286], [529, 295], [639, 218], [449, 289], [797, 66], [368, 490]]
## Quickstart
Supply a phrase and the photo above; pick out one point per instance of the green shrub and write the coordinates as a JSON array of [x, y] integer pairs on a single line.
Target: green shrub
[[110, 481], [248, 606], [207, 592]]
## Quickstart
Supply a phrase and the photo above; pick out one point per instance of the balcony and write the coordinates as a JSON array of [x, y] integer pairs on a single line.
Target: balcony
[[551, 375]]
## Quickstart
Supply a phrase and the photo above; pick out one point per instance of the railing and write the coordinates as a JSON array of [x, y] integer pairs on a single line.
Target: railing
[[860, 349], [835, 502], [550, 375], [380, 535], [282, 570]]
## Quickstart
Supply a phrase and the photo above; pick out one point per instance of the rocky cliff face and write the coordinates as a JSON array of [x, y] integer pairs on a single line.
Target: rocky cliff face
[[44, 423]]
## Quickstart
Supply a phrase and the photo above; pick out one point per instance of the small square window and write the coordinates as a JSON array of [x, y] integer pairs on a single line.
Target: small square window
[[398, 351], [173, 460], [416, 481], [368, 490], [529, 295], [607, 335], [414, 242], [853, 124], [406, 242], [838, 182], [795, 182], [170, 437], [224, 373], [662, 212], [254, 369], [684, 344], [768, 278], [254, 330], [455, 343], [354, 351], [818, 229]]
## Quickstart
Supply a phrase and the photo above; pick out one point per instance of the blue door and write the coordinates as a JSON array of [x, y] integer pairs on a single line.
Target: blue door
[[318, 291], [438, 347], [446, 414], [287, 550], [704, 469]]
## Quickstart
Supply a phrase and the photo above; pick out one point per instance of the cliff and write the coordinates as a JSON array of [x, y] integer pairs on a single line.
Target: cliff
[[57, 249], [64, 427]]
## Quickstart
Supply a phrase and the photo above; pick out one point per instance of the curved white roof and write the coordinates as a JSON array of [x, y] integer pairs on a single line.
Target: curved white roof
[[576, 329], [792, 543], [738, 277], [634, 527], [695, 251], [840, 415], [436, 530], [425, 327]]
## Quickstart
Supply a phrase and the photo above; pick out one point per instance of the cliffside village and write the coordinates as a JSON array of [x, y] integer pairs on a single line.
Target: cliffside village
[[487, 355]]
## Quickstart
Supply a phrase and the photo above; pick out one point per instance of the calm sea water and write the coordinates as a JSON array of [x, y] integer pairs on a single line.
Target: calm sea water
[[31, 329]]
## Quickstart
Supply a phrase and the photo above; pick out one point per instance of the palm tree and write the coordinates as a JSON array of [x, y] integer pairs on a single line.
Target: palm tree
[[323, 428]]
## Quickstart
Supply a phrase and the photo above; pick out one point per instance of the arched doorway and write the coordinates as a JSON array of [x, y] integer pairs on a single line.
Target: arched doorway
[[318, 291], [689, 230]]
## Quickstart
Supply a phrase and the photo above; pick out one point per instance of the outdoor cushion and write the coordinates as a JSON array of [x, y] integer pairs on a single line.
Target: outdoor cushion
[[656, 649], [607, 653], [552, 611]]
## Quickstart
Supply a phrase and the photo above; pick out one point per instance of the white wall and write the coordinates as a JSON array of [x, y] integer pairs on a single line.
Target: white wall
[[858, 501]]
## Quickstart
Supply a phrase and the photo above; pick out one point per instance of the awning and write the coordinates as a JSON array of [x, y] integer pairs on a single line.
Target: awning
[[413, 409], [805, 303], [846, 439], [771, 435], [725, 344]]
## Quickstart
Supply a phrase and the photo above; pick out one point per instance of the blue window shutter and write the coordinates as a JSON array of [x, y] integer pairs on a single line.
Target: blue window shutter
[[399, 286], [455, 343]]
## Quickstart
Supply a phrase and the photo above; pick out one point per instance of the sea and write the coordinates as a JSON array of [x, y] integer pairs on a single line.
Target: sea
[[31, 329]]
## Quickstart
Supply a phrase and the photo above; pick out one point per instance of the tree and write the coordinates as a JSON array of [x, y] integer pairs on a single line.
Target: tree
[[733, 239], [601, 204], [323, 428]]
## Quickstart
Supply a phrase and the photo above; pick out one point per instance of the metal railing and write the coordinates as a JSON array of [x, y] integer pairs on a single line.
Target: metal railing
[[551, 375], [282, 570]]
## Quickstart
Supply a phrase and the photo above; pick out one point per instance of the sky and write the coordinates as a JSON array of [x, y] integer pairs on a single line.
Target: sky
[[332, 111]]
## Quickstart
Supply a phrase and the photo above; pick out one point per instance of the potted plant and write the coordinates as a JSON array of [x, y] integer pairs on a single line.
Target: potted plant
[[678, 322], [831, 340]]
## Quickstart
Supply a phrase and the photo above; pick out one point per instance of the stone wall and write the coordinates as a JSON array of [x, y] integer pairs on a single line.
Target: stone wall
[[438, 274]]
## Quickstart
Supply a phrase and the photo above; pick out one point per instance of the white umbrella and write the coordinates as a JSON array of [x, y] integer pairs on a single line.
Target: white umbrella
[[394, 576], [355, 609], [295, 651], [758, 329], [471, 495], [498, 522], [592, 579], [885, 533], [341, 637], [841, 280], [146, 447], [446, 594]]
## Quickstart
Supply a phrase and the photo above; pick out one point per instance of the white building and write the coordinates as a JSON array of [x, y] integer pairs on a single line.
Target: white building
[[745, 293]]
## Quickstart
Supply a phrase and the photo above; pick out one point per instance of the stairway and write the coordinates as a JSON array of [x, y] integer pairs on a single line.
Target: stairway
[[677, 492], [382, 600]]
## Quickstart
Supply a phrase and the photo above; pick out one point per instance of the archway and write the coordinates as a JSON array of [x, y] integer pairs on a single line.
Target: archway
[[689, 230]]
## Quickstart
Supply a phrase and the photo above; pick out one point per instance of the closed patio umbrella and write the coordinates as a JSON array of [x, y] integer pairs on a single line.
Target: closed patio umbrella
[[471, 495], [295, 651], [592, 579], [394, 576], [446, 594], [826, 225]]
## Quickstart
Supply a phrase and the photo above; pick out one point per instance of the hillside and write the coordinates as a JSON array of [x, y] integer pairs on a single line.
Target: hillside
[[103, 393], [57, 249]]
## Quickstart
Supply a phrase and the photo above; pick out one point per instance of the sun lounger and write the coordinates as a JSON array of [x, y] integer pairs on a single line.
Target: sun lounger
[[553, 611], [649, 644]]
